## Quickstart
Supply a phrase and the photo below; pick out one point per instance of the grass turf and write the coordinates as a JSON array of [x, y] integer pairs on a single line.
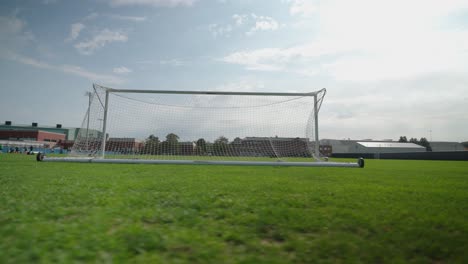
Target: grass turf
[[389, 212]]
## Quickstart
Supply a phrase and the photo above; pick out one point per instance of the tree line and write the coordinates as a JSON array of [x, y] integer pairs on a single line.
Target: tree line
[[223, 147], [153, 145], [421, 142]]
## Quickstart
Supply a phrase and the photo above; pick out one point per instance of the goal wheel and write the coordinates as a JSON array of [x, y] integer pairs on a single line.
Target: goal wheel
[[40, 156], [361, 162]]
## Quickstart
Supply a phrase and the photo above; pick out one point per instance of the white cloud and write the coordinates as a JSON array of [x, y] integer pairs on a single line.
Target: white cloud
[[75, 31], [122, 70], [362, 41], [243, 85], [261, 59], [101, 39], [95, 15], [77, 28], [240, 19], [388, 48], [128, 18], [173, 62], [95, 77], [255, 22], [168, 3], [388, 109], [302, 7], [301, 59], [263, 23], [70, 69], [219, 31], [14, 29]]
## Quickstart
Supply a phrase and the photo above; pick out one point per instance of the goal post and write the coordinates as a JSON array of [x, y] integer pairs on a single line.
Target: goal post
[[201, 127]]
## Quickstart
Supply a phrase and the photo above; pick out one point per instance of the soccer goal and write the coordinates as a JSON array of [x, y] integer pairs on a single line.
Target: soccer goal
[[201, 127]]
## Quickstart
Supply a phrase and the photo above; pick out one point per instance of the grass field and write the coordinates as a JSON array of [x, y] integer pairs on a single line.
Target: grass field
[[389, 212]]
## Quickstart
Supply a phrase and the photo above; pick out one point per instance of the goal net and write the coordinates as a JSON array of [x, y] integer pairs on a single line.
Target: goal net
[[200, 126]]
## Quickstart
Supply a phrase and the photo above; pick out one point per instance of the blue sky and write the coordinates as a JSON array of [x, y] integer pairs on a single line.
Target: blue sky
[[391, 68]]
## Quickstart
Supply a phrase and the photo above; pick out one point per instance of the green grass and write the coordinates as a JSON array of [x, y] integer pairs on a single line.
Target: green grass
[[389, 212]]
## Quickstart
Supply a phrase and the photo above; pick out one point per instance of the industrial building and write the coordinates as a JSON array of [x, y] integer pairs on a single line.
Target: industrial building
[[46, 136], [124, 145], [70, 133], [446, 146], [387, 146], [31, 135], [361, 146]]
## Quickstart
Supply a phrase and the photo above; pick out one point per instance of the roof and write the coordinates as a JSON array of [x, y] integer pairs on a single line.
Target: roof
[[389, 145], [37, 130], [275, 139]]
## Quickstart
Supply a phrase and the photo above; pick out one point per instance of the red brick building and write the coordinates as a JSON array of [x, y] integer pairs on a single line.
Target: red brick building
[[31, 135], [124, 145]]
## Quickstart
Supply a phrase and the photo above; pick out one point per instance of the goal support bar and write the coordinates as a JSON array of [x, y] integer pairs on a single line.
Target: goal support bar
[[358, 164]]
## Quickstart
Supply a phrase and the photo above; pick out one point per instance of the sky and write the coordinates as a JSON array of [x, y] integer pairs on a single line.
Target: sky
[[391, 68]]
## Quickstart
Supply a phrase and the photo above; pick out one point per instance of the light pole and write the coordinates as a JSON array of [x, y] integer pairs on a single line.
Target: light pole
[[90, 95]]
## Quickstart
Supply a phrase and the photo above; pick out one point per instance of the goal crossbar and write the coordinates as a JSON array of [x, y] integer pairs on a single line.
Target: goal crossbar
[[112, 90]]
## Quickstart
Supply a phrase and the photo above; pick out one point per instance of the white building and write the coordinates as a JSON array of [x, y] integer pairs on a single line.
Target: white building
[[367, 146], [446, 146], [387, 147]]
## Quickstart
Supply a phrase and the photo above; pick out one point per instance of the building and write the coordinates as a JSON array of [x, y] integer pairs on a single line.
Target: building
[[446, 146], [124, 145], [339, 146], [64, 137], [186, 148], [370, 146], [277, 146], [70, 133], [31, 135], [387, 147]]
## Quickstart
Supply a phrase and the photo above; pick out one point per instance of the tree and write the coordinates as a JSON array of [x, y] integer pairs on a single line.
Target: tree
[[201, 146], [301, 148], [220, 146], [423, 142], [403, 139], [172, 138], [237, 141], [222, 139], [151, 145], [171, 145], [236, 146]]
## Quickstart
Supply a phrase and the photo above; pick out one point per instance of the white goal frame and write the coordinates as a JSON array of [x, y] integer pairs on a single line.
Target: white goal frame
[[108, 91]]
